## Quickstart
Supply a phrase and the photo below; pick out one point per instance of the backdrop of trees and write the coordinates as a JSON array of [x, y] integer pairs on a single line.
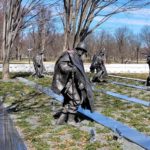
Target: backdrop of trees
[[35, 25]]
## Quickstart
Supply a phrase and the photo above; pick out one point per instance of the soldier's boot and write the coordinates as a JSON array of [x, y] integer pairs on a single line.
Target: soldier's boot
[[62, 119], [94, 79], [71, 117], [71, 120], [57, 113]]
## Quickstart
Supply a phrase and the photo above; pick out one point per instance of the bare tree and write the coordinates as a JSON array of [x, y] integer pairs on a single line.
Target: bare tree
[[41, 24], [101, 39], [135, 46], [14, 22], [44, 26], [145, 35], [1, 28], [122, 42], [80, 14], [110, 47]]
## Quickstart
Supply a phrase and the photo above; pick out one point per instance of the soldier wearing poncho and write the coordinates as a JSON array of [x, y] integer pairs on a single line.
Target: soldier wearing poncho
[[71, 81], [98, 65], [38, 65], [148, 78]]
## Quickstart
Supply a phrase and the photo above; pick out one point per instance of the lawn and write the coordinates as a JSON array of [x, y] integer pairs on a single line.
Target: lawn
[[32, 113]]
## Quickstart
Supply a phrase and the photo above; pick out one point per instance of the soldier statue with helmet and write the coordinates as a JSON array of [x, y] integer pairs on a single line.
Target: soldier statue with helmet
[[98, 65], [71, 81], [38, 65], [148, 78]]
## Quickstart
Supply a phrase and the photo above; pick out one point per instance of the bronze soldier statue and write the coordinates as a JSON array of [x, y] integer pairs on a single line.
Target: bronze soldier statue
[[38, 65], [71, 81], [148, 78], [98, 66]]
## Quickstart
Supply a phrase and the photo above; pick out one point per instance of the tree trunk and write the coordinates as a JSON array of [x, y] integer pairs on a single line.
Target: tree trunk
[[122, 59], [6, 52], [7, 45], [65, 41], [5, 74], [137, 55], [6, 58]]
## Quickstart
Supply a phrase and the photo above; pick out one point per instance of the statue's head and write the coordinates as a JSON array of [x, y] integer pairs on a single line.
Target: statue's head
[[101, 53], [81, 49], [41, 52], [148, 59]]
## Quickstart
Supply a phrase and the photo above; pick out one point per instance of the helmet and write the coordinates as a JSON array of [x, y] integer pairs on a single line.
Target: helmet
[[81, 46], [41, 52], [148, 59]]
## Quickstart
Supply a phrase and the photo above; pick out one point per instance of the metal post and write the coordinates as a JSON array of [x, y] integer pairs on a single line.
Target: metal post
[[29, 49], [29, 53], [29, 56]]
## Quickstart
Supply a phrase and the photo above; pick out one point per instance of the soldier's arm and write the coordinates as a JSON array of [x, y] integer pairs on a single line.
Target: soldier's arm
[[67, 67]]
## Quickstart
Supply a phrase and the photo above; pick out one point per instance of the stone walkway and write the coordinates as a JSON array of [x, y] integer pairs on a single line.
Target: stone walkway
[[9, 137]]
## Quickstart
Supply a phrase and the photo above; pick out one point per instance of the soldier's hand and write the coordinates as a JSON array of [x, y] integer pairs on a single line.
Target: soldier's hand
[[74, 69], [81, 86], [83, 96]]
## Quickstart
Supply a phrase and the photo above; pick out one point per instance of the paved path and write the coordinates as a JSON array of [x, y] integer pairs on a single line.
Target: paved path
[[9, 137], [127, 78]]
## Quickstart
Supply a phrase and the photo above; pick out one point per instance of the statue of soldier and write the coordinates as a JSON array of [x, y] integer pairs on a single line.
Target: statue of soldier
[[38, 65], [71, 81], [148, 78], [98, 65]]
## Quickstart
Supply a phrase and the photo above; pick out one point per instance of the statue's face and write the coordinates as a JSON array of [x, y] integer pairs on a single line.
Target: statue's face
[[148, 59], [81, 53]]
